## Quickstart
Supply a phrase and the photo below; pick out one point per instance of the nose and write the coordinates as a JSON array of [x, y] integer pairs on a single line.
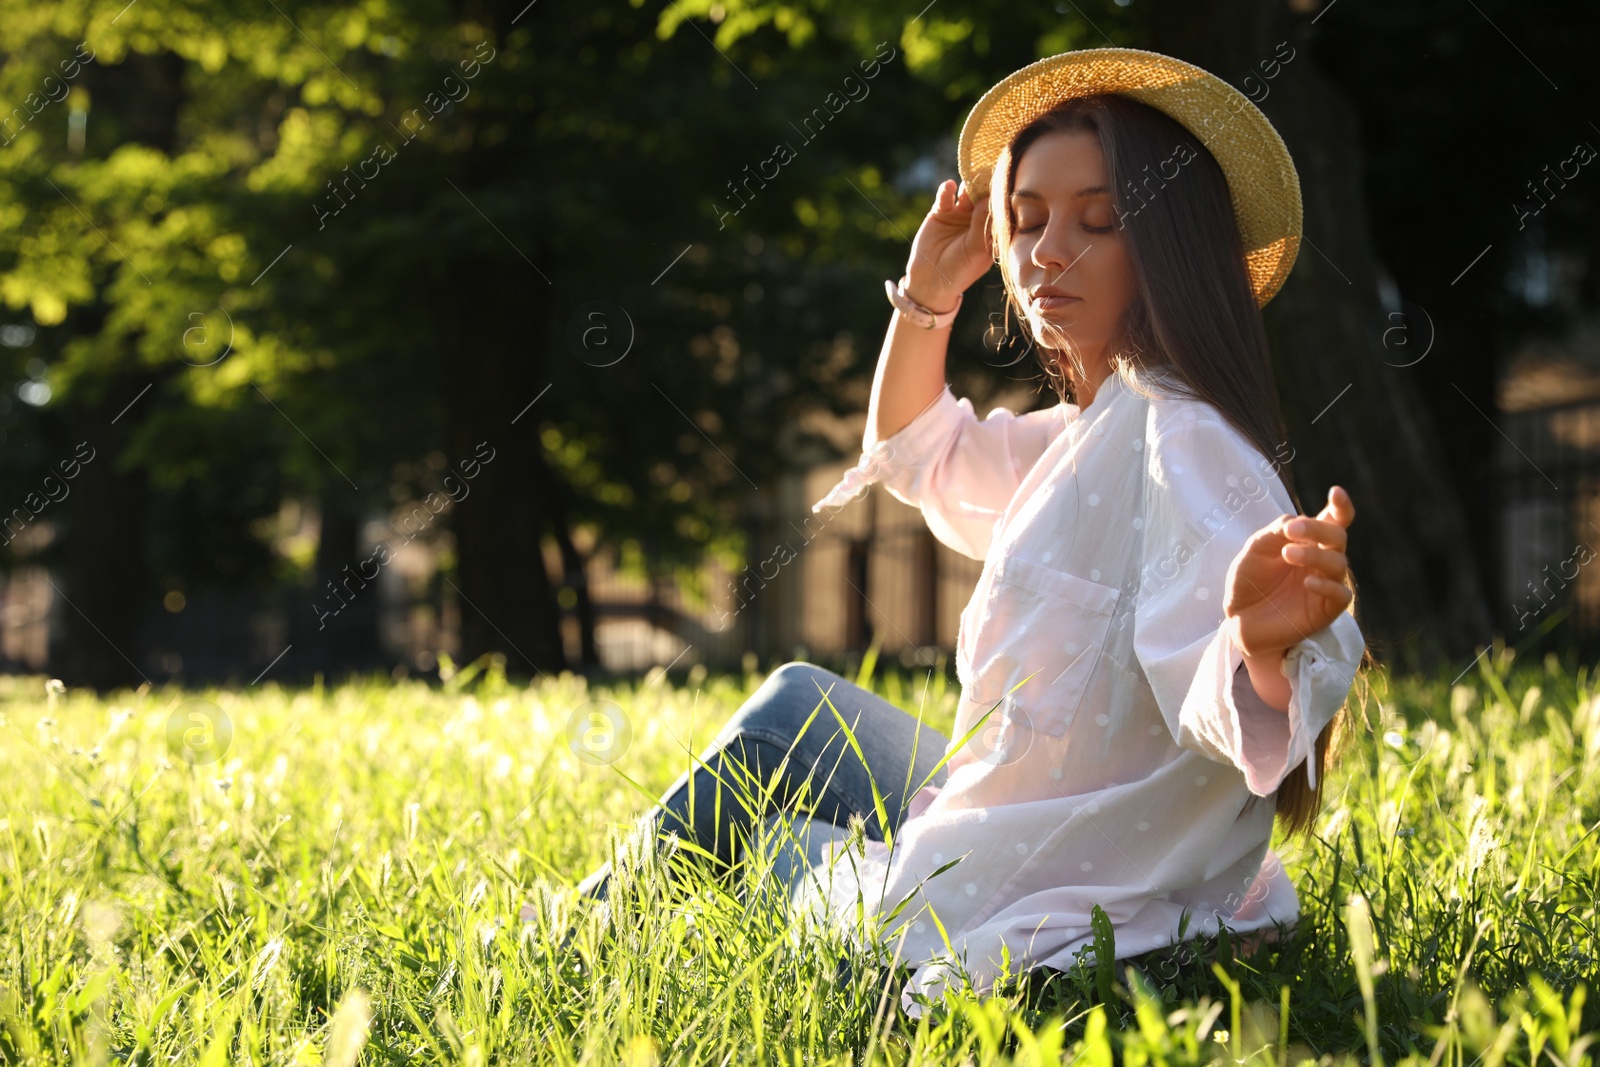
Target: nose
[[1059, 247]]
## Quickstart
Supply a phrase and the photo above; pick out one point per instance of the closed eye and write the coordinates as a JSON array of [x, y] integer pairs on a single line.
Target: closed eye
[[1087, 227]]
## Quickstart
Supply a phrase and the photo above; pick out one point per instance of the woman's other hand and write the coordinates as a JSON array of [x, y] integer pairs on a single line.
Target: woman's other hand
[[1285, 585], [951, 249]]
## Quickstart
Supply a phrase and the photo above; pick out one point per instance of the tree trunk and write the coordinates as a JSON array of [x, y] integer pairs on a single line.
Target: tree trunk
[[101, 563], [505, 593], [1354, 418], [574, 567], [499, 367], [104, 591], [347, 641]]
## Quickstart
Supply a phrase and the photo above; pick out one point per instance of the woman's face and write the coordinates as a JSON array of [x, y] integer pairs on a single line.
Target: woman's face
[[1067, 239]]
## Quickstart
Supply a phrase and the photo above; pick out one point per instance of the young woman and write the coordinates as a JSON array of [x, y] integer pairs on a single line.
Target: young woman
[[1158, 641]]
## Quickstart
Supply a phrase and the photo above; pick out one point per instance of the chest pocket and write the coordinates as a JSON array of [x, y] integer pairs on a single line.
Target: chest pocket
[[1040, 621]]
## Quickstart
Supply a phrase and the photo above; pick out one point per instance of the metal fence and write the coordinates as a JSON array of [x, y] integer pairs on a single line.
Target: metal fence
[[822, 587], [826, 587], [818, 587], [1547, 488]]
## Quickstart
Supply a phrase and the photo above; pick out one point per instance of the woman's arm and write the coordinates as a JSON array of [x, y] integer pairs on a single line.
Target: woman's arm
[[1285, 584], [911, 370], [925, 447], [950, 252], [1186, 643]]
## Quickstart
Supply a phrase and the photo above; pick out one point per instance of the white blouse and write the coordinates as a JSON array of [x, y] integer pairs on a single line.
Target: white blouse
[[1127, 740]]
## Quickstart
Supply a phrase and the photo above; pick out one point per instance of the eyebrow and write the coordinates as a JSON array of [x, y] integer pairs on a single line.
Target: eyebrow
[[1029, 194]]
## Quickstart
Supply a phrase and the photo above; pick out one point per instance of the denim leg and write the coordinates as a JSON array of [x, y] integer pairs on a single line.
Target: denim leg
[[822, 769], [796, 842]]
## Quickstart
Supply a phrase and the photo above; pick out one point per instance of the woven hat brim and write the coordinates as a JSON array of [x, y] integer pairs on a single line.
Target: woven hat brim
[[1261, 175]]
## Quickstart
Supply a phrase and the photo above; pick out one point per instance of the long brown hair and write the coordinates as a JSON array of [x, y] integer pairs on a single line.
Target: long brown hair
[[1194, 310]]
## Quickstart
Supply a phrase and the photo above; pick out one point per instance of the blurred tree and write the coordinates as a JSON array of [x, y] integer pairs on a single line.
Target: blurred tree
[[1355, 411], [566, 264], [1476, 261], [353, 247]]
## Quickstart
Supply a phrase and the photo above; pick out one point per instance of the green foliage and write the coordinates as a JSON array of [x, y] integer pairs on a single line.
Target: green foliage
[[1105, 952], [337, 238], [344, 883]]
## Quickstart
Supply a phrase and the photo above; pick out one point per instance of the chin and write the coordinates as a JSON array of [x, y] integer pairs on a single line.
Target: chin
[[1052, 328], [1064, 320], [1061, 318]]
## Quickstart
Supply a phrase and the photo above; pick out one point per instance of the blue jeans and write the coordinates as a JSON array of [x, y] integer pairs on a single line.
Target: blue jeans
[[719, 802]]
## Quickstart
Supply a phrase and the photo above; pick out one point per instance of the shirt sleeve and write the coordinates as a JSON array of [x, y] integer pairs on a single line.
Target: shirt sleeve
[[960, 470], [1207, 491]]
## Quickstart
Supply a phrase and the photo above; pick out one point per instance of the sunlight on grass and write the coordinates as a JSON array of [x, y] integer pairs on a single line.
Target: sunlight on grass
[[333, 876]]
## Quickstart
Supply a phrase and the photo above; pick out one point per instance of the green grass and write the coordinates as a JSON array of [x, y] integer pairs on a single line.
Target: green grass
[[343, 884]]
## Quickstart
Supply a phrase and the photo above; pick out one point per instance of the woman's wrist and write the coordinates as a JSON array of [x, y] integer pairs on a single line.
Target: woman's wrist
[[1264, 667], [914, 311], [935, 296], [1267, 678]]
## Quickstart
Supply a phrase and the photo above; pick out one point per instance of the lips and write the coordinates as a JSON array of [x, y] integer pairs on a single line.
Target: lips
[[1052, 303]]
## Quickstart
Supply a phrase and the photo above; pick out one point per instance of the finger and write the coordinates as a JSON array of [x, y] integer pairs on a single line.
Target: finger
[[1325, 561], [1340, 498], [958, 202], [1337, 592], [1339, 508], [1323, 532]]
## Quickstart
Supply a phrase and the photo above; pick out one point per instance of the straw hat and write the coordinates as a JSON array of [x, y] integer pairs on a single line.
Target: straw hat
[[1261, 176]]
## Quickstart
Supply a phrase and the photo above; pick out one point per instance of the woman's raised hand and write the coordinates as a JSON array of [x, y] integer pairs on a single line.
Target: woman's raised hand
[[951, 249], [1288, 580]]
